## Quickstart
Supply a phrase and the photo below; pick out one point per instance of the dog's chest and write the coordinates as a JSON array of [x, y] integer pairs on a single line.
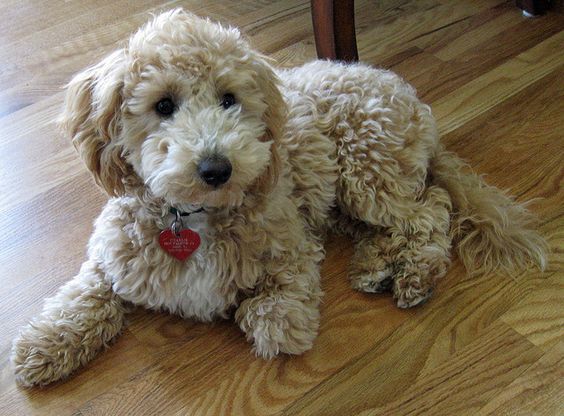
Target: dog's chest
[[197, 287]]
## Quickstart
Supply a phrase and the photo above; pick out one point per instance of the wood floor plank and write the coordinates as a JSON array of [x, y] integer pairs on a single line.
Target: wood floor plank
[[538, 391], [540, 316], [420, 25], [51, 239], [488, 90], [499, 19], [460, 386], [485, 55], [522, 138]]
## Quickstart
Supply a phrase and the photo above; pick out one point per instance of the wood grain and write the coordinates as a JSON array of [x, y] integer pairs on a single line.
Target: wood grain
[[415, 348], [491, 345], [538, 316], [477, 372], [490, 89], [538, 391]]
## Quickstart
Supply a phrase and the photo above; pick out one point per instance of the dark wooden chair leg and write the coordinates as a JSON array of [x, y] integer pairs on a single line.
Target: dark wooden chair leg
[[533, 7], [334, 29]]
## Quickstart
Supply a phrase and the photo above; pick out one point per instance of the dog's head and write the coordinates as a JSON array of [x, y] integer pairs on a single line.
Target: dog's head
[[186, 109]]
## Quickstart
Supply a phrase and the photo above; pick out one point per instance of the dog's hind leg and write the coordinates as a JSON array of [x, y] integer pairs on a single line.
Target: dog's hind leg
[[384, 152], [75, 324], [408, 254]]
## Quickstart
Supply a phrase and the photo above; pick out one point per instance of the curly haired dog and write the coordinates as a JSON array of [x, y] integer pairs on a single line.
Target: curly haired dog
[[187, 116]]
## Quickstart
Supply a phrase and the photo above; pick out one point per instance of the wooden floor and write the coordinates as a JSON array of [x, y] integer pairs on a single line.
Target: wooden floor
[[492, 345]]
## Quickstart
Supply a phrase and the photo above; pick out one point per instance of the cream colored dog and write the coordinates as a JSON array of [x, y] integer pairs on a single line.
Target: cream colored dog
[[188, 116]]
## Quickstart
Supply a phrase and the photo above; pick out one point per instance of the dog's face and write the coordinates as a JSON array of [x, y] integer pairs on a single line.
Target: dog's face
[[187, 110]]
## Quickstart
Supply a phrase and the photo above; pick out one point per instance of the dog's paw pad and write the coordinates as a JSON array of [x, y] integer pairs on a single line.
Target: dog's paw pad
[[378, 282], [418, 299]]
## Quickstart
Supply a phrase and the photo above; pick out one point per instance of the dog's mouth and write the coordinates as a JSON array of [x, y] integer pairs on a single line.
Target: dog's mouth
[[190, 208], [207, 198]]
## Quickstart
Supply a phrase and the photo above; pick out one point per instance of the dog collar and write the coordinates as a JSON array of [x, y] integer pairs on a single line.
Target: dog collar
[[178, 213]]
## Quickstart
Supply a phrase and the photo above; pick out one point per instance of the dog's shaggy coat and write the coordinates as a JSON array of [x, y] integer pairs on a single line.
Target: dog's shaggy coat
[[324, 146]]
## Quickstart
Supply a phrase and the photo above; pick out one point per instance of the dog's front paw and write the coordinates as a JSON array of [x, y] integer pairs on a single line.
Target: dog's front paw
[[40, 357], [277, 325]]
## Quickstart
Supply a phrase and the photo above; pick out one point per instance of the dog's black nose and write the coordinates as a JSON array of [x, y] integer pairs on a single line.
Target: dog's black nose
[[214, 170]]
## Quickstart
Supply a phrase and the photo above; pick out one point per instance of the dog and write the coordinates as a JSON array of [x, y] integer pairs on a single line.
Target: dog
[[225, 176]]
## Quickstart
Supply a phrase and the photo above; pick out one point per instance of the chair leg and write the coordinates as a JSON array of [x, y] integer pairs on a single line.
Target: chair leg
[[334, 29]]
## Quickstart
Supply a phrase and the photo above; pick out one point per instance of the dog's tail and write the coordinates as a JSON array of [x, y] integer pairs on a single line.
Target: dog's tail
[[490, 229]]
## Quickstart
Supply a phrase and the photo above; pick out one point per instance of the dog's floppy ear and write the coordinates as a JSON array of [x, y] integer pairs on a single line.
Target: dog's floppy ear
[[274, 118], [91, 118]]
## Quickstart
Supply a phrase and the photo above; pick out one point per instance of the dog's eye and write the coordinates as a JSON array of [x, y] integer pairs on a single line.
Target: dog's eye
[[165, 107], [228, 100]]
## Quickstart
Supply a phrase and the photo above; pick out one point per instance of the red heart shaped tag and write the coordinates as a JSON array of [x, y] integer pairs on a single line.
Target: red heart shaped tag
[[180, 245]]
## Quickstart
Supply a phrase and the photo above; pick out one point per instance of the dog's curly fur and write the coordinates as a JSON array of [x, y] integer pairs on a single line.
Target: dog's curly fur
[[324, 146]]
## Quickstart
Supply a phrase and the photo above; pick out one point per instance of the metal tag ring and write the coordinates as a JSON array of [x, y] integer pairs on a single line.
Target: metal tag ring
[[177, 224]]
